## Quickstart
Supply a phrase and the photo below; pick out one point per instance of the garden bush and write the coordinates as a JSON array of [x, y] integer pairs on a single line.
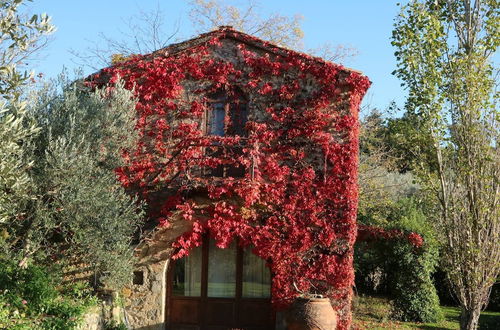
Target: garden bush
[[30, 299], [443, 289], [415, 295], [395, 267]]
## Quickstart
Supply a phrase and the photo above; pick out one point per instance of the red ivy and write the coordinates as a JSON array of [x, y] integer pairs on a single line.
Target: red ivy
[[371, 234], [297, 203]]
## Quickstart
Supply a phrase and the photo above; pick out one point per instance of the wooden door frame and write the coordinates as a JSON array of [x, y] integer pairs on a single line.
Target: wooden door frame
[[203, 298]]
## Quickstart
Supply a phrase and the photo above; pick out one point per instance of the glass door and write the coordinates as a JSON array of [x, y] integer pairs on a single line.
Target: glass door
[[217, 289]]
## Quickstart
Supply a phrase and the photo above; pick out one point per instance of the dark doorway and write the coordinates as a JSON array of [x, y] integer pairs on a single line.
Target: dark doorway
[[219, 289]]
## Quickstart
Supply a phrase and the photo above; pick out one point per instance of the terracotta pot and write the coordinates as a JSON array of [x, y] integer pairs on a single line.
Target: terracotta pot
[[311, 314]]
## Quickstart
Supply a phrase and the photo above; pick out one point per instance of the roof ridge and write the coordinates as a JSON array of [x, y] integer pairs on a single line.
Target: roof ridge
[[264, 44], [228, 31]]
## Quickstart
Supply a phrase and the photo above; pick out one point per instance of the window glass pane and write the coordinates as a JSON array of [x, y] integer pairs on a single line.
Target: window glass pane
[[217, 119], [239, 116], [221, 271], [187, 275], [256, 277]]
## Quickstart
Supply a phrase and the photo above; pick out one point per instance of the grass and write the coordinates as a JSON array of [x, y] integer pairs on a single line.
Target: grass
[[373, 313]]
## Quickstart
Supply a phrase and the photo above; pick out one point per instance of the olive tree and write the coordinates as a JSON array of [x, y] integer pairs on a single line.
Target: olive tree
[[77, 211], [59, 146], [21, 36]]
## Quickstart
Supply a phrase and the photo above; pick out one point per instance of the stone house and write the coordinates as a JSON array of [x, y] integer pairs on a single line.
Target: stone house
[[230, 288]]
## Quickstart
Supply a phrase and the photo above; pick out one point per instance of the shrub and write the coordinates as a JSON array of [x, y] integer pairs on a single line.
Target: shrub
[[112, 325], [396, 267], [414, 292], [31, 286], [67, 315], [30, 299], [415, 297], [443, 289], [77, 210]]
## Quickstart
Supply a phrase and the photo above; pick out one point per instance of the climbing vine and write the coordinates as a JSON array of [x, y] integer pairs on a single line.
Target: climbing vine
[[296, 203]]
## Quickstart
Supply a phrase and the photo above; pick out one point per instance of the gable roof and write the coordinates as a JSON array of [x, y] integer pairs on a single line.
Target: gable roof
[[228, 32], [223, 32]]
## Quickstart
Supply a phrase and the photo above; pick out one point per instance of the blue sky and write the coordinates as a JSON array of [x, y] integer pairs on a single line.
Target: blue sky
[[363, 24]]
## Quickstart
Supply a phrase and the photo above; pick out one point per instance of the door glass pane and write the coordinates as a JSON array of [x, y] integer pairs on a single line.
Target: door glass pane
[[221, 271], [187, 275], [256, 277]]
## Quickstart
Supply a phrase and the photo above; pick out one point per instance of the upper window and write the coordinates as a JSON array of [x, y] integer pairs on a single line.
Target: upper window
[[227, 116]]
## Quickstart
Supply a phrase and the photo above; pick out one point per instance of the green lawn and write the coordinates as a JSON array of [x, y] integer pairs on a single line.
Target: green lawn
[[372, 313]]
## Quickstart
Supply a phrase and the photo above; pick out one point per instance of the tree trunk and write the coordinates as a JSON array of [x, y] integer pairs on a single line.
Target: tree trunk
[[469, 318], [26, 253]]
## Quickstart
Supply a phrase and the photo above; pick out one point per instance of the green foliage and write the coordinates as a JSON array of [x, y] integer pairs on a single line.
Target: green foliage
[[21, 35], [31, 284], [380, 182], [445, 55], [414, 292], [75, 207], [112, 325], [83, 209], [411, 149], [401, 270], [387, 200], [59, 197], [15, 181], [415, 295], [67, 315], [30, 299], [370, 312]]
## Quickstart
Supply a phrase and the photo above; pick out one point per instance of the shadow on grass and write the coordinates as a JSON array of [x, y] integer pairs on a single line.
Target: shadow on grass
[[489, 320], [451, 316], [371, 312]]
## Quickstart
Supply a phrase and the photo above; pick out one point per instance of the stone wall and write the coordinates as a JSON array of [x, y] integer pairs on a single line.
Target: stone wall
[[145, 298], [97, 317], [145, 303], [92, 320]]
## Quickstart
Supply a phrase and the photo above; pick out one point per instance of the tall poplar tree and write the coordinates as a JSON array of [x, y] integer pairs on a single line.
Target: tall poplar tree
[[445, 50]]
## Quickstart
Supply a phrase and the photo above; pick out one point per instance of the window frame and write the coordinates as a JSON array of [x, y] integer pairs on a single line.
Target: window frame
[[222, 97], [238, 264]]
